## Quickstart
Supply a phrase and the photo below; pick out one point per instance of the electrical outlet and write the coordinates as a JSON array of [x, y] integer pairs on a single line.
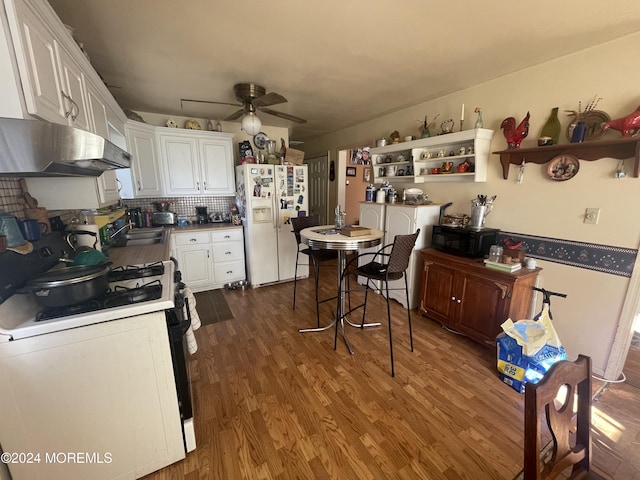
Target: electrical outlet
[[592, 215]]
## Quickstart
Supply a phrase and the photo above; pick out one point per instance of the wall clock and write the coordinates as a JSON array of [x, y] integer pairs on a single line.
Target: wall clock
[[260, 140]]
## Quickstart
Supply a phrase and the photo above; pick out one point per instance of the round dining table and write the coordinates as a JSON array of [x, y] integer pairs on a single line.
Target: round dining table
[[329, 238]]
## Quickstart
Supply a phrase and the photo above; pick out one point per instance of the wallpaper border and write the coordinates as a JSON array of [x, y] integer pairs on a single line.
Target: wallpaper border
[[592, 256]]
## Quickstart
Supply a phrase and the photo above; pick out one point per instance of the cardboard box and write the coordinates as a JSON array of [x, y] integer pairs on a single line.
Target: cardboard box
[[293, 156], [516, 369]]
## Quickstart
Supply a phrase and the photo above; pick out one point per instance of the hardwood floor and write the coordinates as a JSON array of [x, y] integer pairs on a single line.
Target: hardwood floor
[[271, 403]]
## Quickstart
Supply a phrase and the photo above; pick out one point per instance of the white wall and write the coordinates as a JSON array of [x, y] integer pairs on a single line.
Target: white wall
[[587, 320]]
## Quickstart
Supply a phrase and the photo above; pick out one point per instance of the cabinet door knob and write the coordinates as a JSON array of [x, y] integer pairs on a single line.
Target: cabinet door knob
[[227, 253], [453, 299], [193, 240], [227, 236], [204, 185], [229, 272], [459, 301], [138, 183]]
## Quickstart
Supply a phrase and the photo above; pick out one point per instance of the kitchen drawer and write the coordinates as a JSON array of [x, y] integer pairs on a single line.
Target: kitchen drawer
[[229, 272], [225, 235], [193, 238], [227, 252]]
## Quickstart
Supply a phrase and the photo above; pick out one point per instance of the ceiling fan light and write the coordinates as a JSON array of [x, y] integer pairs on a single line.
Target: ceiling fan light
[[251, 124]]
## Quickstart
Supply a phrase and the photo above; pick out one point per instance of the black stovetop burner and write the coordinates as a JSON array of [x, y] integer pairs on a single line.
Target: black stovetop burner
[[129, 272], [116, 297]]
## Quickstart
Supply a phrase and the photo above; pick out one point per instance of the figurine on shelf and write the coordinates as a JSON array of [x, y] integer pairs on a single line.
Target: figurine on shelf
[[513, 134], [628, 126], [395, 136]]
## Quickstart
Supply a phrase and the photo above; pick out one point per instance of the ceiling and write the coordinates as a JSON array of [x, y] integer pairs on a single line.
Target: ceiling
[[338, 62]]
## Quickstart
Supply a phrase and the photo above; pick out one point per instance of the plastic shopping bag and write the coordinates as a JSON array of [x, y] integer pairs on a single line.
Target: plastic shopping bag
[[527, 349]]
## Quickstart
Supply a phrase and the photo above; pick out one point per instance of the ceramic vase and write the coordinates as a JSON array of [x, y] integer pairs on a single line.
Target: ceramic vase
[[551, 129]]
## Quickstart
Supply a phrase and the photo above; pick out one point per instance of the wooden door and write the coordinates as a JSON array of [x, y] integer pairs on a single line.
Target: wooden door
[[354, 193], [318, 187]]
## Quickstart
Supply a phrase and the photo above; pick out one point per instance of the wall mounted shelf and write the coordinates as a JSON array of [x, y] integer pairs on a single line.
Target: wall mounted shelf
[[620, 148]]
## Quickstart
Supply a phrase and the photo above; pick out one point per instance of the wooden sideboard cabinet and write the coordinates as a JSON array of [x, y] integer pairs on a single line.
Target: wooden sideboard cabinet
[[464, 295]]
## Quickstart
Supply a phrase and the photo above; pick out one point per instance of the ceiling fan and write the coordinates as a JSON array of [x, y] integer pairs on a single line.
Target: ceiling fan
[[252, 97]]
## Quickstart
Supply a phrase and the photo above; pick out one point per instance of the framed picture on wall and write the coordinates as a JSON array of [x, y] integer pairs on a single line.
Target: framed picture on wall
[[366, 174], [351, 171]]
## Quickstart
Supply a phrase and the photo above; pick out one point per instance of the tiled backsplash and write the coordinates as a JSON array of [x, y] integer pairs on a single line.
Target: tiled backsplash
[[185, 205], [11, 199]]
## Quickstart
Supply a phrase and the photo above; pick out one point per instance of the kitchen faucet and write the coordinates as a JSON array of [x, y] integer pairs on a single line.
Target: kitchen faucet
[[112, 235]]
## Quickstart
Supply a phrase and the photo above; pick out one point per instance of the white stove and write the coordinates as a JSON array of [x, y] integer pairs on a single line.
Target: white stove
[[19, 314]]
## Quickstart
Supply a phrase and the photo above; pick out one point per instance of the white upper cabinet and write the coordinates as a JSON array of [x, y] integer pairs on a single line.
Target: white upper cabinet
[[217, 166], [197, 163], [145, 174], [97, 111], [58, 82], [181, 164], [73, 92], [37, 59]]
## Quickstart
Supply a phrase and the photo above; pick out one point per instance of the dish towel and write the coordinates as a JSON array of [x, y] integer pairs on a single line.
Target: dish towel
[[195, 318], [192, 345]]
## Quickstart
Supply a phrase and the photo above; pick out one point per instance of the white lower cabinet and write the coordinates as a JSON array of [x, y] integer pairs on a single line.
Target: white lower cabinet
[[403, 219], [210, 258], [228, 256], [104, 389]]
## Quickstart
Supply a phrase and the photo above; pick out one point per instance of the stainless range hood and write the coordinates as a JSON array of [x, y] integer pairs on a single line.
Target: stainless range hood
[[36, 148]]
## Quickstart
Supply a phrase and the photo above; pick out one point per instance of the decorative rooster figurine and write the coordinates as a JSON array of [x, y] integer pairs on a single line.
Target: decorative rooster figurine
[[629, 125], [515, 135]]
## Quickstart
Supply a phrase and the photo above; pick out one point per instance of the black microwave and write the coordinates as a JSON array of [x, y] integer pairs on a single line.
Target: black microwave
[[464, 241]]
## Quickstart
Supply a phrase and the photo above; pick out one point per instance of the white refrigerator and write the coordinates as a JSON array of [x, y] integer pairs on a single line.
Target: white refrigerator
[[268, 197]]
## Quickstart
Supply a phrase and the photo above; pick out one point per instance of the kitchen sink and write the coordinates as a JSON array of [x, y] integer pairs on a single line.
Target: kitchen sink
[[136, 242], [140, 237]]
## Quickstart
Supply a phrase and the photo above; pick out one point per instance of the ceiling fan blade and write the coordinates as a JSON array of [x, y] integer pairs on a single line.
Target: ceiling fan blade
[[236, 115], [286, 116], [269, 99], [182, 100]]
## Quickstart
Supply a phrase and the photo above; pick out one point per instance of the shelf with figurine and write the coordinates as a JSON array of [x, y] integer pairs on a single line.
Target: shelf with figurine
[[469, 148], [627, 146]]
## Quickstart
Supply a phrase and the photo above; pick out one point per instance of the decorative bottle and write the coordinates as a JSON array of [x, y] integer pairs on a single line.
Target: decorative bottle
[[479, 122], [551, 129]]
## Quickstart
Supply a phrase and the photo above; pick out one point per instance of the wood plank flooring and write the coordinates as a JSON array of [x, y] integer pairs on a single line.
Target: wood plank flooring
[[271, 403]]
